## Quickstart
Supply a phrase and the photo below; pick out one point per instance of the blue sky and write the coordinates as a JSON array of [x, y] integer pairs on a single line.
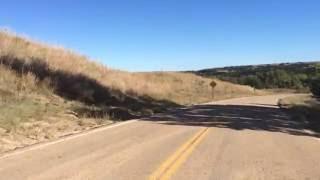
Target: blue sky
[[147, 35]]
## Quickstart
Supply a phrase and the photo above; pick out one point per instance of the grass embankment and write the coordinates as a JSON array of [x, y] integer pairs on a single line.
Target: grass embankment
[[304, 108], [48, 91]]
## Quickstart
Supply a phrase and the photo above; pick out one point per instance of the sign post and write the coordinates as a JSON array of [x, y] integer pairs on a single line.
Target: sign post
[[213, 84]]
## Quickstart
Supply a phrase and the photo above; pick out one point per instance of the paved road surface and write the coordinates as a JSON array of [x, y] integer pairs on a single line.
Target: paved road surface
[[246, 138]]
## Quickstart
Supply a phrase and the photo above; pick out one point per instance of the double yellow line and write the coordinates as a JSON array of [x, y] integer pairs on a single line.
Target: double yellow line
[[171, 165]]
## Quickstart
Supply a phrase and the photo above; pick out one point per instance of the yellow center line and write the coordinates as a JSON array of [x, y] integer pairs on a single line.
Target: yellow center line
[[171, 165]]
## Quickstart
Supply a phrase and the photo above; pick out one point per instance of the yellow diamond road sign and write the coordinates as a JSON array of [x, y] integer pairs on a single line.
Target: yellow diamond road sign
[[213, 84]]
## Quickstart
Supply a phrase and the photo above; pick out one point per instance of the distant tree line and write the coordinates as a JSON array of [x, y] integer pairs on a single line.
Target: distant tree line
[[275, 79], [287, 75]]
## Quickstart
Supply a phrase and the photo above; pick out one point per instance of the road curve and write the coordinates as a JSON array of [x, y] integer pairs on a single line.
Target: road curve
[[244, 138]]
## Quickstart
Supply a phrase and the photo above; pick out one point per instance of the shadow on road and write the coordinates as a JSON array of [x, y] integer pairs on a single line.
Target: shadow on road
[[237, 117]]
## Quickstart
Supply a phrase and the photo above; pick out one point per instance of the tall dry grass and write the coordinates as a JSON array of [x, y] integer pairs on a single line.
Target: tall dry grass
[[49, 91], [182, 88], [303, 107]]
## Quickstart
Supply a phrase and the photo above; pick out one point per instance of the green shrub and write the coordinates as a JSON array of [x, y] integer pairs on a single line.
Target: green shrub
[[315, 86]]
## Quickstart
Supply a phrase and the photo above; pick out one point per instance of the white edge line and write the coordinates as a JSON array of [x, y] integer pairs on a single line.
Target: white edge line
[[62, 139]]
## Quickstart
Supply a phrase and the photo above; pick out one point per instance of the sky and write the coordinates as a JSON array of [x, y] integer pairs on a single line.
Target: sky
[[159, 35]]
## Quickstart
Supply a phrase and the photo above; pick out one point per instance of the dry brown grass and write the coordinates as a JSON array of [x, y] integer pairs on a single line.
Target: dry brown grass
[[48, 91], [303, 107], [298, 100], [181, 88]]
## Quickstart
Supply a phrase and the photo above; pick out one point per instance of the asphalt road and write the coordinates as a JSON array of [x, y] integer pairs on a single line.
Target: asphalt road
[[245, 138]]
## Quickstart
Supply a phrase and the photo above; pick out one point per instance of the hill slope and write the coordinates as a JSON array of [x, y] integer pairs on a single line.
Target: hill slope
[[285, 75], [47, 92]]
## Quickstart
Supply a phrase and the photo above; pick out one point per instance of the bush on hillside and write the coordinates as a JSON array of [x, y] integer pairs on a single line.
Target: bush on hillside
[[253, 81], [315, 86]]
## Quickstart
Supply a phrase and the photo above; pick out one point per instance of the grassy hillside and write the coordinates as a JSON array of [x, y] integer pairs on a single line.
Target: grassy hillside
[[303, 108], [48, 91], [285, 75]]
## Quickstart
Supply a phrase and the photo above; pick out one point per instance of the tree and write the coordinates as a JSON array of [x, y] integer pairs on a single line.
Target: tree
[[253, 81]]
